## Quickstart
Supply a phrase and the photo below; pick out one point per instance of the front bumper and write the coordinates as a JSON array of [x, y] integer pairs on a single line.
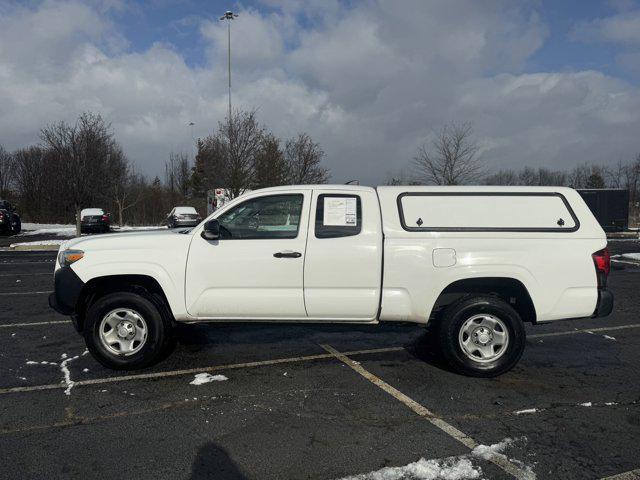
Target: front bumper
[[605, 304], [67, 289]]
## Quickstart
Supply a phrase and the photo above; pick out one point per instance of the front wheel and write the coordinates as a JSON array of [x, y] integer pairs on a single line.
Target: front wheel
[[481, 336], [127, 331]]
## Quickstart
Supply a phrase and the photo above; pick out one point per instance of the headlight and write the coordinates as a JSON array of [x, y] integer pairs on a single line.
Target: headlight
[[67, 257]]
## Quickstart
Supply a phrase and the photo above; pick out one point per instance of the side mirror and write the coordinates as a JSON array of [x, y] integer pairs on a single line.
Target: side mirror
[[211, 230]]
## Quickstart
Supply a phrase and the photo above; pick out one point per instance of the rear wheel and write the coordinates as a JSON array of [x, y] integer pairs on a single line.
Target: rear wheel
[[127, 331], [481, 336]]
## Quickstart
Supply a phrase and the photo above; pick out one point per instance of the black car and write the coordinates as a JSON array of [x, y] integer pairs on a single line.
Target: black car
[[10, 223], [94, 220], [183, 217]]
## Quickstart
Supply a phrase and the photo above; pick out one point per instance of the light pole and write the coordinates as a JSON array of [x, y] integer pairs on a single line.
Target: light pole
[[228, 16], [193, 139]]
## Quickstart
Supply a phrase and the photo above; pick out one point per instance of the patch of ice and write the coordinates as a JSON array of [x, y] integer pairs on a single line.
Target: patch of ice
[[526, 411], [586, 404], [609, 338], [202, 378]]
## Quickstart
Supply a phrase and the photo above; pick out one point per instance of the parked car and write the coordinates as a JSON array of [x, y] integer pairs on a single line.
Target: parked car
[[10, 223], [94, 220], [473, 263], [183, 217]]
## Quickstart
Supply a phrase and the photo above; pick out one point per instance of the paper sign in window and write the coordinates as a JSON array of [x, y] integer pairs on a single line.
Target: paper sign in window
[[339, 211]]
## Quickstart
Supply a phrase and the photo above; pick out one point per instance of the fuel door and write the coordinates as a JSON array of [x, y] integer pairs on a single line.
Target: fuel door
[[444, 257]]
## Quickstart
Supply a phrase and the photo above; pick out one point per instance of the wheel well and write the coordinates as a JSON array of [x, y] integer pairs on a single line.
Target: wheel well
[[510, 290], [101, 286]]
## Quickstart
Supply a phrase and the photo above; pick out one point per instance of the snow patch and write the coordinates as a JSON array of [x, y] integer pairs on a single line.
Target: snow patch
[[487, 452], [586, 404], [202, 378], [609, 338], [526, 411], [63, 365], [628, 256], [66, 372], [450, 468], [38, 242], [47, 229], [453, 468]]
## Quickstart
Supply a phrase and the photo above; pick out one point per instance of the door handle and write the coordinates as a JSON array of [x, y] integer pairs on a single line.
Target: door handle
[[287, 254]]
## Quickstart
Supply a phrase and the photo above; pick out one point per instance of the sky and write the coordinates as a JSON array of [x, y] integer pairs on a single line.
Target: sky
[[543, 83]]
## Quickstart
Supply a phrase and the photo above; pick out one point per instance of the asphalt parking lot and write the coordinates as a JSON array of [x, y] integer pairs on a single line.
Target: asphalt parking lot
[[314, 401]]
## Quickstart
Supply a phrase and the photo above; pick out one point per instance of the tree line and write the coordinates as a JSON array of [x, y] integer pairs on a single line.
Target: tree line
[[82, 165], [452, 157]]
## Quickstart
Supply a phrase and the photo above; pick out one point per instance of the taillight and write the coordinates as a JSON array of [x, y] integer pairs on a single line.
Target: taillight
[[105, 218], [602, 262]]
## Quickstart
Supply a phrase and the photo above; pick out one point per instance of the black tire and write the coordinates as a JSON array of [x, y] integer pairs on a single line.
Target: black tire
[[18, 228], [452, 322], [159, 341]]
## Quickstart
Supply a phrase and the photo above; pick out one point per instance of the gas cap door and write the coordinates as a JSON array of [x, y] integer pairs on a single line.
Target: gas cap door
[[444, 257]]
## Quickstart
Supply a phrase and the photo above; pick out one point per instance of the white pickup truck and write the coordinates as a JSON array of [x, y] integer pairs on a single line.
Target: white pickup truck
[[474, 263]]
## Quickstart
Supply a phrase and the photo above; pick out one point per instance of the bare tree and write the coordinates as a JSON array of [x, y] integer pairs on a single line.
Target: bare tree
[[31, 179], [6, 172], [128, 193], [502, 177], [178, 175], [209, 170], [243, 137], [82, 153], [451, 158], [270, 168], [303, 157], [400, 177]]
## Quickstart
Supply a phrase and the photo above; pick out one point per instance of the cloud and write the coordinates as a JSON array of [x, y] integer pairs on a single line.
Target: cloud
[[622, 28], [369, 81]]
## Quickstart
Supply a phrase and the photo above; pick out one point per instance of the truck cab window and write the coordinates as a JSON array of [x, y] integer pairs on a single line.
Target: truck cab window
[[338, 215], [275, 216]]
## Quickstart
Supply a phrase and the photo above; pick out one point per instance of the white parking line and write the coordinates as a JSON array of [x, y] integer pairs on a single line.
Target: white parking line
[[190, 371], [32, 324], [499, 460], [585, 330], [630, 475], [25, 293]]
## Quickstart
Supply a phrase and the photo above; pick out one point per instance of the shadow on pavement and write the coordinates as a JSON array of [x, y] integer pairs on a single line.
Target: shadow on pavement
[[213, 462]]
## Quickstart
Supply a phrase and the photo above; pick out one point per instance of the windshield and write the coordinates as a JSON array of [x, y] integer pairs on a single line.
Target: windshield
[[87, 212]]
